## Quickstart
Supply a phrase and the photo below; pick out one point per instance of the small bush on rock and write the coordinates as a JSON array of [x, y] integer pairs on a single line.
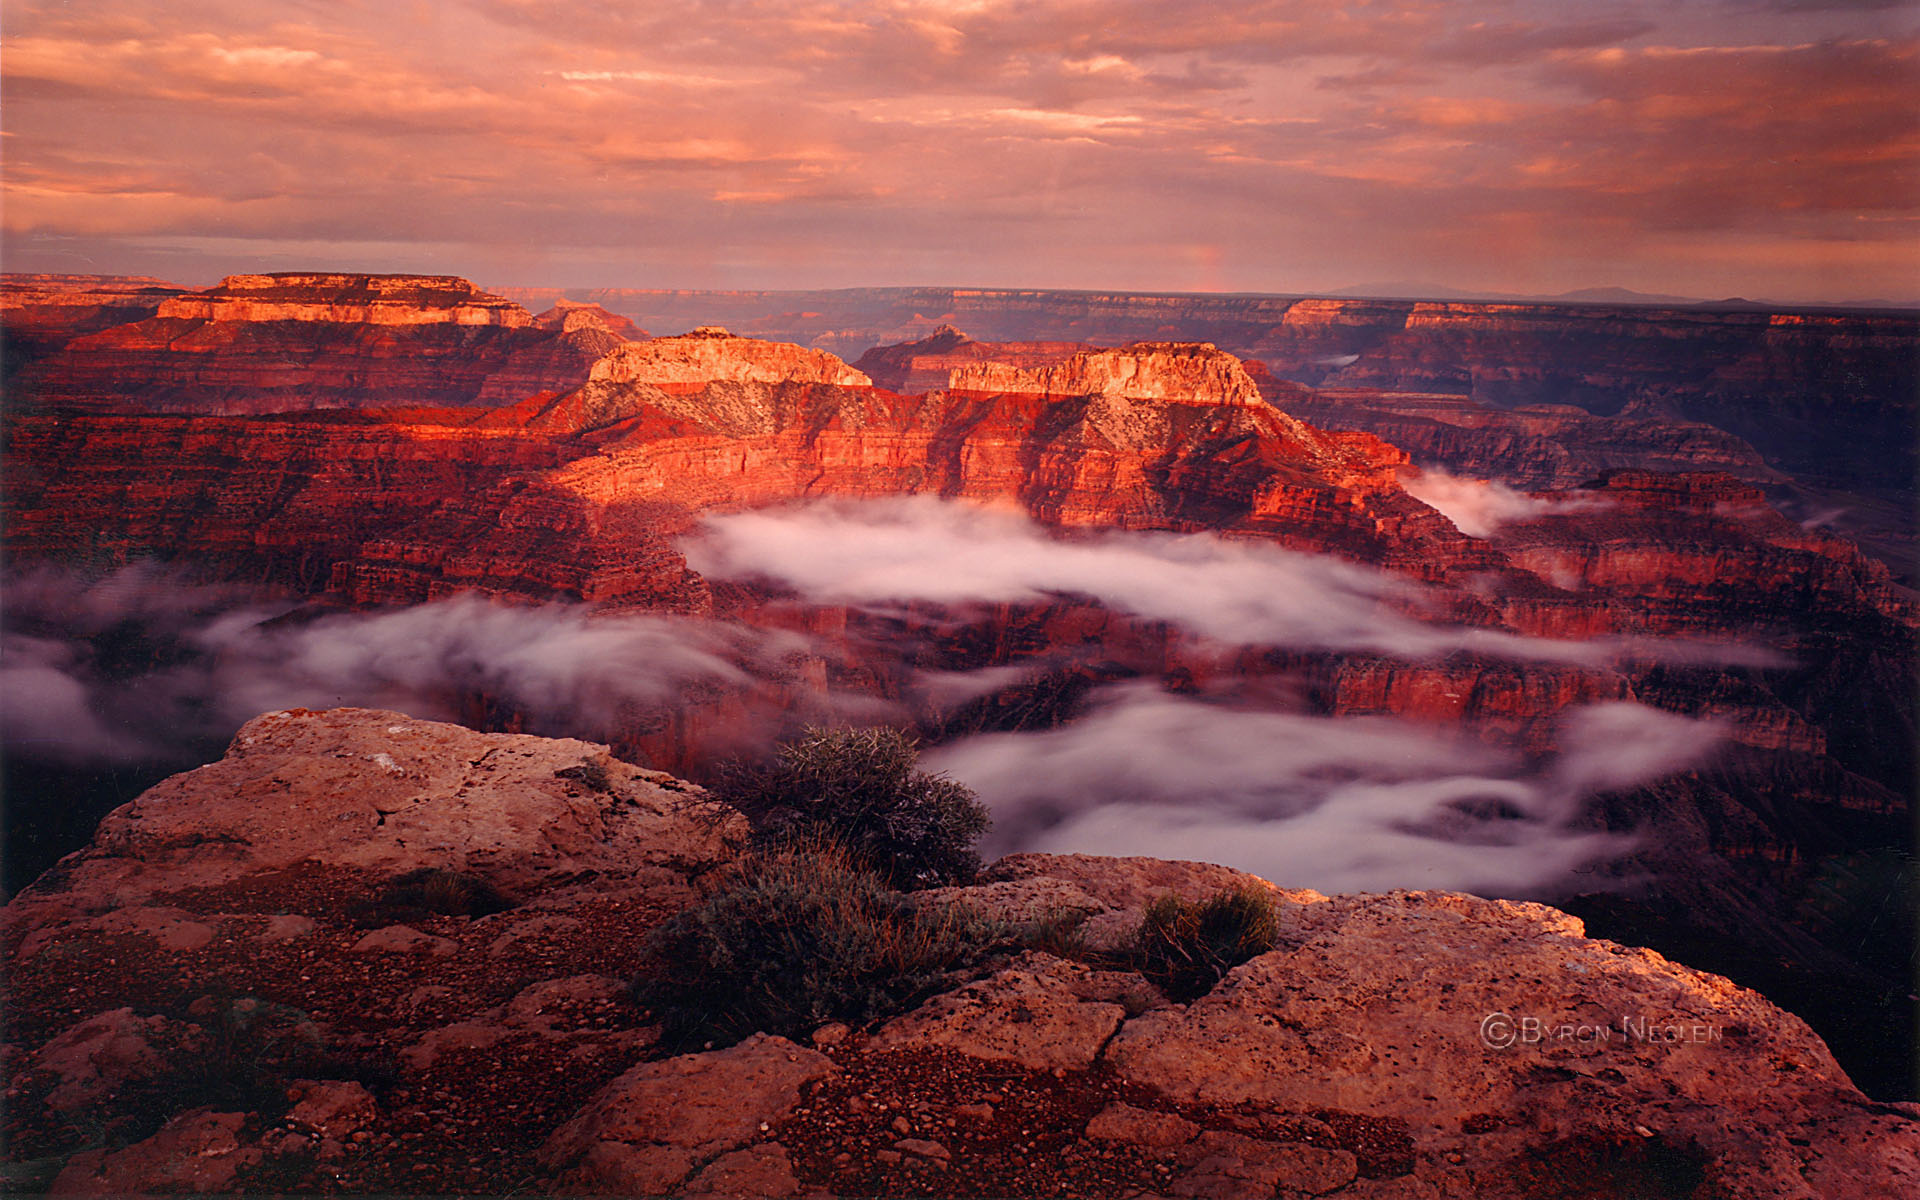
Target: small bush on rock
[[442, 892], [590, 774], [239, 1056], [859, 787], [1186, 948], [793, 937]]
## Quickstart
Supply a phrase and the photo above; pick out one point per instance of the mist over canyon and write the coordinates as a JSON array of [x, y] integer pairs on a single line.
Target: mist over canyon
[[147, 667], [1153, 598]]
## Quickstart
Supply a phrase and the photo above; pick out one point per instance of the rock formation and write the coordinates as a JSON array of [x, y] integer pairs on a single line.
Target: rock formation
[[1167, 372], [39, 314], [710, 355], [275, 343], [1413, 1044], [1817, 393], [348, 300], [926, 364], [567, 317], [1710, 360]]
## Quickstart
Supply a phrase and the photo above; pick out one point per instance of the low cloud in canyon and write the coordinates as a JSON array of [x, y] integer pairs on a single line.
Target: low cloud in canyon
[[1335, 803], [921, 549]]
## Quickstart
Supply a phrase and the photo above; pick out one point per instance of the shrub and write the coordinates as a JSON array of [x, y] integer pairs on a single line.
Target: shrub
[[240, 1058], [590, 774], [441, 891], [858, 787], [1061, 933], [1186, 948], [793, 937]]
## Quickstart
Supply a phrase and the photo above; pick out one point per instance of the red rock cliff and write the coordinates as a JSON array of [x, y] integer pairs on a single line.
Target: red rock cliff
[[272, 343]]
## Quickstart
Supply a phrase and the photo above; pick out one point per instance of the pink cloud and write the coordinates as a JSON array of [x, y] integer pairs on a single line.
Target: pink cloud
[[1067, 144]]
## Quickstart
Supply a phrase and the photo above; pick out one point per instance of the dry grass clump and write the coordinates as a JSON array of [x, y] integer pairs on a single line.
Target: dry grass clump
[[797, 935], [1186, 947]]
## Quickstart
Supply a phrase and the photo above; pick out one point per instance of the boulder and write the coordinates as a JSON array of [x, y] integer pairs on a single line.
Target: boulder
[[1036, 1013], [378, 792], [403, 939], [761, 1172], [331, 1108], [1140, 1127], [645, 1132], [198, 1151], [1431, 1007], [104, 1052]]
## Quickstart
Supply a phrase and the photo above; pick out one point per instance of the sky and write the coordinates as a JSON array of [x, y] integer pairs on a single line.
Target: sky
[[1710, 148]]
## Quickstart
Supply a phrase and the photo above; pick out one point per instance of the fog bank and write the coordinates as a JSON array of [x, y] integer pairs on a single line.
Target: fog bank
[[1235, 592], [1339, 804]]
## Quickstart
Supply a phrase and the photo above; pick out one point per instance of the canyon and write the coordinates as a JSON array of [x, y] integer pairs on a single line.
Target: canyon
[[1495, 522]]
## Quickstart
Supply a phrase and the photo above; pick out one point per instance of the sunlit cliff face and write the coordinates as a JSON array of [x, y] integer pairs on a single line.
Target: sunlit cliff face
[[1700, 149]]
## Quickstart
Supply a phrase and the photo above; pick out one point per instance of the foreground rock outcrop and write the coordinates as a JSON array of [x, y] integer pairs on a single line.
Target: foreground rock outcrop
[[1407, 1045], [361, 790]]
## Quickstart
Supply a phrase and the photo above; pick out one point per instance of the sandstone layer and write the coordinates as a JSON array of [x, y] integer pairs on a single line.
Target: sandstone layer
[[711, 354], [336, 299], [1168, 372], [274, 343], [925, 364]]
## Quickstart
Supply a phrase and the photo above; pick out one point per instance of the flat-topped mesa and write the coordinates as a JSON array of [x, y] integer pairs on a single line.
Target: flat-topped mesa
[[926, 364], [1134, 389], [567, 316], [710, 354], [349, 299], [1169, 372], [51, 284]]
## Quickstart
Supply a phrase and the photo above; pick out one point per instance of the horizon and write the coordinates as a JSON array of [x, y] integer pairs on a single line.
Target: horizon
[[1604, 296], [1719, 149]]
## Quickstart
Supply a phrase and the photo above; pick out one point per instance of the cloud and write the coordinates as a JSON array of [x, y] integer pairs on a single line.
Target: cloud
[[951, 689], [1479, 507], [45, 710], [921, 549], [1337, 804], [1512, 145], [560, 664], [144, 665]]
